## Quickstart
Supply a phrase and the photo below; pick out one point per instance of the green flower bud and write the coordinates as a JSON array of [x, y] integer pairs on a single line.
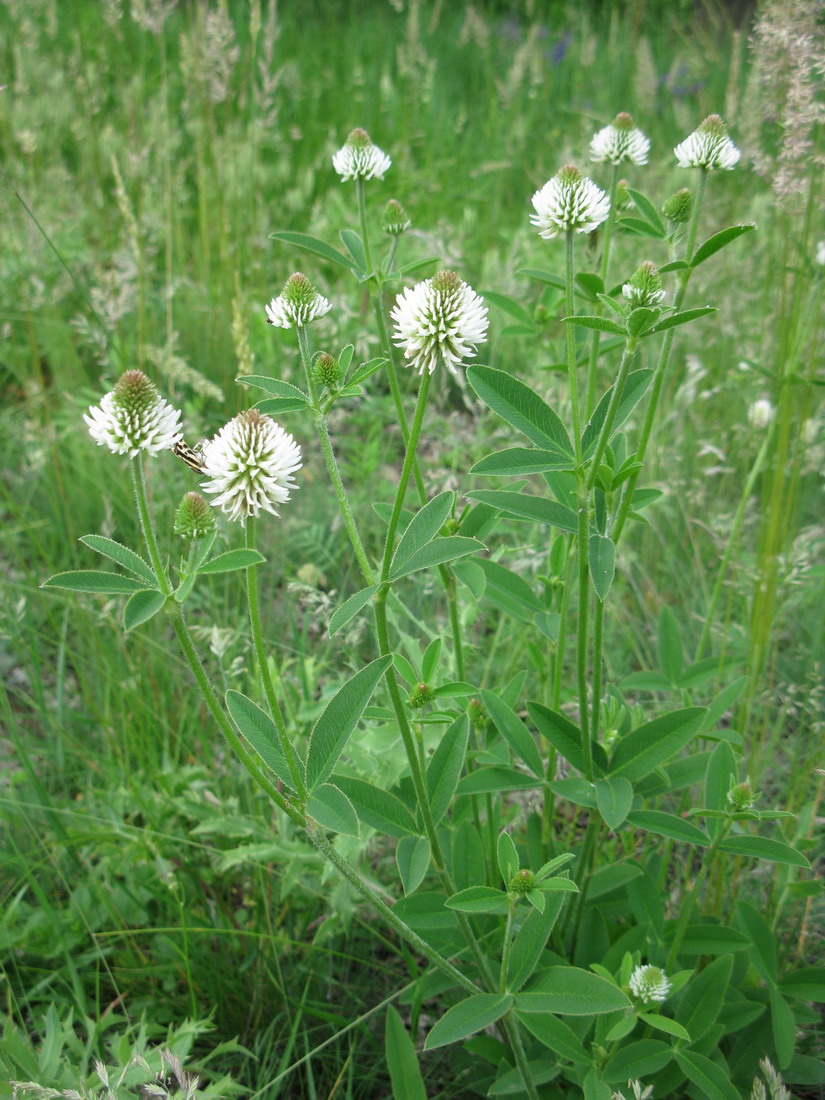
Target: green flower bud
[[522, 882], [421, 694], [677, 208], [645, 286], [741, 796], [477, 713], [194, 518], [396, 220], [326, 371]]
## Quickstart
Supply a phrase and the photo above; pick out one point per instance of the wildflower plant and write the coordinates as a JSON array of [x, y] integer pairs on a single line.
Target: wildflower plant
[[587, 973]]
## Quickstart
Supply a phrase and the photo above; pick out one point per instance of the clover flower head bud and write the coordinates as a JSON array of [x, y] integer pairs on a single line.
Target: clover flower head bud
[[522, 882], [358, 158], [250, 463], [649, 983], [708, 147], [133, 417], [421, 694], [741, 796], [645, 286], [326, 371], [639, 1091], [569, 201], [678, 207], [194, 519], [761, 413], [477, 713], [620, 141], [395, 220], [441, 318], [297, 304]]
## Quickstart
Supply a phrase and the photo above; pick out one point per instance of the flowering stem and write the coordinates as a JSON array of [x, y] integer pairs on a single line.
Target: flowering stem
[[263, 668], [687, 906], [571, 355], [661, 367], [628, 356], [139, 484], [598, 642], [508, 943], [362, 217], [322, 432], [607, 240], [512, 1032], [406, 470], [581, 631]]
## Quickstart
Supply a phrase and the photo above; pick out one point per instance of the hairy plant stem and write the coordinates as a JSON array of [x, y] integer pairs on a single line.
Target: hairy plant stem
[[139, 485], [361, 199], [628, 355], [607, 240], [263, 668], [581, 631], [661, 366], [322, 431], [572, 377], [687, 906], [507, 945], [513, 1037]]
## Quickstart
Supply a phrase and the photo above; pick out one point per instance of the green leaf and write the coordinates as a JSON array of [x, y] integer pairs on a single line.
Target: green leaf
[[412, 855], [422, 528], [521, 407], [445, 766], [274, 405], [762, 847], [231, 560], [783, 1026], [429, 662], [557, 886], [491, 780], [366, 370], [762, 939], [807, 984], [509, 306], [602, 558], [639, 1059], [274, 386], [509, 591], [641, 319], [570, 991], [141, 607], [634, 390], [721, 771], [712, 939], [122, 555], [557, 1035], [714, 1081], [478, 899], [564, 736], [261, 733], [514, 732], [508, 861], [339, 718], [669, 825], [653, 744], [350, 608], [601, 324], [530, 941], [519, 461], [665, 1024], [353, 244], [548, 277], [703, 997], [614, 797], [576, 789], [95, 580], [437, 552], [402, 1062], [639, 226], [671, 659], [377, 807], [314, 246], [683, 318], [467, 1017], [717, 241], [648, 211], [331, 808], [532, 508]]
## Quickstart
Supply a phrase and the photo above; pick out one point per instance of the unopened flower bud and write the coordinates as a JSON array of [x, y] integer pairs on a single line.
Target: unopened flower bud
[[297, 304], [194, 518], [741, 796], [645, 286], [678, 207], [396, 220], [325, 371], [421, 694], [477, 713], [522, 882]]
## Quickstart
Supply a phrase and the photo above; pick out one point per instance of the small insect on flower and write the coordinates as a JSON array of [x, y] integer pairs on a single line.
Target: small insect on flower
[[192, 457]]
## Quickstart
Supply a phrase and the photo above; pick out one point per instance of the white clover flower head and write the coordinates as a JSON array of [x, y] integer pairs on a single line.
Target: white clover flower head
[[708, 147], [645, 286], [396, 220], [761, 413], [250, 463], [640, 1091], [133, 417], [359, 159], [649, 983], [194, 519], [569, 201], [439, 319], [297, 304], [619, 142]]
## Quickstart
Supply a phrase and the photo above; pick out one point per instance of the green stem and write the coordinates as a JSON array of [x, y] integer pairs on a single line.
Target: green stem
[[687, 907], [558, 665], [139, 485], [263, 668], [406, 470], [598, 646], [607, 238], [628, 356], [512, 1032], [661, 366], [581, 631], [362, 218], [508, 943], [571, 354]]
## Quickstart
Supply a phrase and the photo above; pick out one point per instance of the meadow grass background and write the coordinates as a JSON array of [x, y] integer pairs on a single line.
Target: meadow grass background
[[146, 159]]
